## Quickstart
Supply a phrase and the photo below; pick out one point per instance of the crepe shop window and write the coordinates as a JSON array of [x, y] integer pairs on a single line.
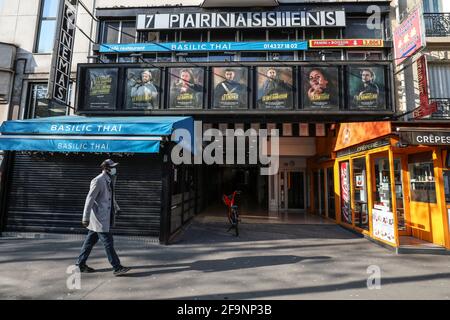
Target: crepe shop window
[[423, 184], [360, 193], [382, 189]]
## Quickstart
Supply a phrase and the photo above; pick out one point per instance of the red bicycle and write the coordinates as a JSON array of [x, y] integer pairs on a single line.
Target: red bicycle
[[233, 211]]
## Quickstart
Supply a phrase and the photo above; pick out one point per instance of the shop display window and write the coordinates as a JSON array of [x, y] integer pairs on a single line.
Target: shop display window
[[421, 170], [447, 186], [382, 191], [399, 195], [360, 193]]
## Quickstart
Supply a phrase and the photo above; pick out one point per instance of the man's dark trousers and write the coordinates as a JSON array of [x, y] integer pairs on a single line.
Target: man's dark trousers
[[108, 242]]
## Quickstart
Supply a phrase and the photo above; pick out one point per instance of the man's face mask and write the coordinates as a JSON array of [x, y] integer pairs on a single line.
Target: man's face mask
[[113, 171]]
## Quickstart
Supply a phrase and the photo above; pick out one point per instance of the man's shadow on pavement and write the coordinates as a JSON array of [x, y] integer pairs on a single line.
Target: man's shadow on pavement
[[219, 265]]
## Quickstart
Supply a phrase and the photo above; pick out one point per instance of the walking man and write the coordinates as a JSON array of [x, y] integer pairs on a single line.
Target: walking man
[[99, 214]]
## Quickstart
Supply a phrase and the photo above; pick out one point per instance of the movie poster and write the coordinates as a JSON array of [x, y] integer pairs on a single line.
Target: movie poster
[[143, 88], [320, 88], [230, 87], [366, 87], [101, 84], [275, 89], [186, 88]]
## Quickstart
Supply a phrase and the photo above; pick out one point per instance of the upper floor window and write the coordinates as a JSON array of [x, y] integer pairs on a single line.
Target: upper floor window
[[432, 6], [118, 32], [359, 28], [47, 26]]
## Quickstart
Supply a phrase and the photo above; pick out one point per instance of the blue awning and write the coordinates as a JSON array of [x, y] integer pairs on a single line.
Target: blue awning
[[90, 134]]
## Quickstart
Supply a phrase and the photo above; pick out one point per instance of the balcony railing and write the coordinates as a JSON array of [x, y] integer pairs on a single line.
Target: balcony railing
[[443, 108], [437, 24]]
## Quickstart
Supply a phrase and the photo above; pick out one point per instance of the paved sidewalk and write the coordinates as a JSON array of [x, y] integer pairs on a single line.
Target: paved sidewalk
[[267, 261]]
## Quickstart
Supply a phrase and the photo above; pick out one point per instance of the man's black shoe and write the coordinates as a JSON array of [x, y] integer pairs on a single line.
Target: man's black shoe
[[121, 270], [86, 269]]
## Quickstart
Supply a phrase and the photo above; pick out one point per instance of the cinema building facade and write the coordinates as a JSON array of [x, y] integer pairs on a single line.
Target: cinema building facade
[[303, 69]]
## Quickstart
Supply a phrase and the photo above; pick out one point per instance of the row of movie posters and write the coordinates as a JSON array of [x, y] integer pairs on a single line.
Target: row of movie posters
[[275, 88]]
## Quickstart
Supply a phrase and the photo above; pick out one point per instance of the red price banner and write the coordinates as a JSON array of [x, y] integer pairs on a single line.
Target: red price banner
[[347, 43]]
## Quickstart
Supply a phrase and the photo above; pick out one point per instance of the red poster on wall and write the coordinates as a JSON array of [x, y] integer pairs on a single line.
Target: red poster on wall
[[425, 108], [345, 193]]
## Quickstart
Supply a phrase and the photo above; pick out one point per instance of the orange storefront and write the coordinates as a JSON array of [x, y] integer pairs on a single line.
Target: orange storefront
[[382, 168]]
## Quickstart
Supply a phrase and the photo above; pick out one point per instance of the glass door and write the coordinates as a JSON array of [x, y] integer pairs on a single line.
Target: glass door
[[401, 221], [361, 210], [292, 190], [331, 206], [447, 194]]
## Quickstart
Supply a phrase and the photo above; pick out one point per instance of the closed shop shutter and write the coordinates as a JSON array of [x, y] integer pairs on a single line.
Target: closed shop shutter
[[47, 193]]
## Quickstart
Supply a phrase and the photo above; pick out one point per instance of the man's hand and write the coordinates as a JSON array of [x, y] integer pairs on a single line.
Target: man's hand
[[85, 223]]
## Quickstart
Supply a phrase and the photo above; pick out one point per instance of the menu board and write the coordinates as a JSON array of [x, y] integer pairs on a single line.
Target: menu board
[[383, 224]]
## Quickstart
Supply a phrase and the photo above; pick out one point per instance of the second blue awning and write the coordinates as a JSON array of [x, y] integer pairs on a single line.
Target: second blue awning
[[83, 134]]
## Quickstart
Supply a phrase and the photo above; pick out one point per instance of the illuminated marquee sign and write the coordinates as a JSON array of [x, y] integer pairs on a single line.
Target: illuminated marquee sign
[[272, 19], [347, 43]]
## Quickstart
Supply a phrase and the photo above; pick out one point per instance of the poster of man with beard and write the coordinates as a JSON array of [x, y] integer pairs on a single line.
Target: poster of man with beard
[[230, 87], [143, 88], [321, 88], [101, 84], [275, 87], [366, 87], [186, 88]]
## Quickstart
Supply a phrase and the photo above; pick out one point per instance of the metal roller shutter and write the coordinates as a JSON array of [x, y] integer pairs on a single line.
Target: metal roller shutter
[[47, 193]]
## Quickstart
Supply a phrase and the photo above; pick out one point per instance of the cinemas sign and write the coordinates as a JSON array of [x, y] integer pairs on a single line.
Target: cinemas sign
[[272, 19], [62, 53]]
